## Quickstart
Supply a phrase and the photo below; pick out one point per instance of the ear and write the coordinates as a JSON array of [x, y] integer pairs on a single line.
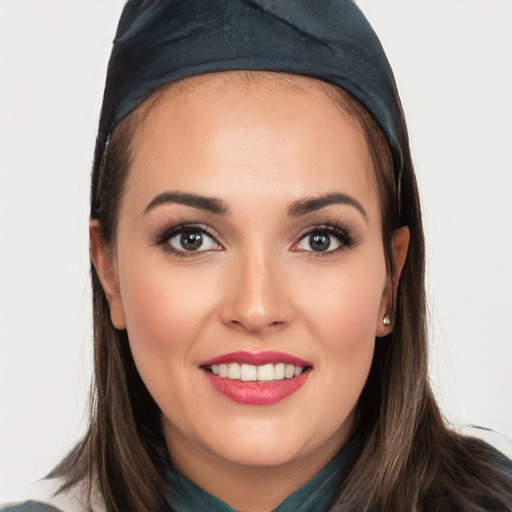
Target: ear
[[399, 246], [104, 263]]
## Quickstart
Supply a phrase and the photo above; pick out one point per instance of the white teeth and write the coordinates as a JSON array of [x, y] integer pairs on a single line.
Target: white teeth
[[289, 370], [279, 371], [266, 372], [248, 372], [263, 373], [223, 370], [234, 371]]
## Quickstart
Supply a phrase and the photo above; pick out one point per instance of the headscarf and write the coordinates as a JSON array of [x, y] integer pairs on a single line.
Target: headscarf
[[161, 41]]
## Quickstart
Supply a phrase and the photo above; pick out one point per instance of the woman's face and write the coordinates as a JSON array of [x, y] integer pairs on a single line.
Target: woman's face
[[249, 245]]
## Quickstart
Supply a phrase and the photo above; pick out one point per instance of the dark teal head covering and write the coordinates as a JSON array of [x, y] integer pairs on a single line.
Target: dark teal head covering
[[159, 41]]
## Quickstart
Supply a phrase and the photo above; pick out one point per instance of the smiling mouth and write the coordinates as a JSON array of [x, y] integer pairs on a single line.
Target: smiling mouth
[[256, 373], [264, 384], [256, 378]]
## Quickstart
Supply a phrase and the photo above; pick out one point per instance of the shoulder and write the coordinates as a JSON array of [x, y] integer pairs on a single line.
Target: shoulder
[[29, 506], [498, 441], [44, 496], [469, 473]]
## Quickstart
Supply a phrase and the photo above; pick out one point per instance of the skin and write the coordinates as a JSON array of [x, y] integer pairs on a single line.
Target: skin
[[259, 147]]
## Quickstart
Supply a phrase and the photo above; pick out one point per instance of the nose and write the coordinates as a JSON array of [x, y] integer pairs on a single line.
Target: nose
[[256, 295]]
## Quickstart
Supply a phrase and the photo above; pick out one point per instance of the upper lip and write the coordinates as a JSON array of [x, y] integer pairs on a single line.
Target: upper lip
[[256, 359]]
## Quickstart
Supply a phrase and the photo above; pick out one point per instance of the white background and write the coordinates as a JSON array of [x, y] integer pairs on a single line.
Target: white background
[[453, 64]]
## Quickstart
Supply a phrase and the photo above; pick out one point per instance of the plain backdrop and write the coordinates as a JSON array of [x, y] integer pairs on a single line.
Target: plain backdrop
[[453, 64]]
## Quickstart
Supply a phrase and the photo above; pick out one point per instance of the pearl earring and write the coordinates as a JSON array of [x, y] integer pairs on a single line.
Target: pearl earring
[[386, 320]]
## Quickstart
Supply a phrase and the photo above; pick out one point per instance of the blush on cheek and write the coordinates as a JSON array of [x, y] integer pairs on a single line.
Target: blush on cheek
[[159, 324], [350, 312], [160, 312], [348, 331]]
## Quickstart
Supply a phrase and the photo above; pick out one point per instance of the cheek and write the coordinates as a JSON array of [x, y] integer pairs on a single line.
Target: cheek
[[343, 313], [165, 313], [345, 304], [349, 341]]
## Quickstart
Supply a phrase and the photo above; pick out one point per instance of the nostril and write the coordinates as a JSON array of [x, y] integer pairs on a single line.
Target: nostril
[[255, 300]]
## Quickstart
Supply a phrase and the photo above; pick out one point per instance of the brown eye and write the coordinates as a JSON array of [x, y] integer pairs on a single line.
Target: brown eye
[[319, 241], [192, 240]]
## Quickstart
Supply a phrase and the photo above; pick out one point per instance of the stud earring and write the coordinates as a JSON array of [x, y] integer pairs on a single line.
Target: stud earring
[[386, 320]]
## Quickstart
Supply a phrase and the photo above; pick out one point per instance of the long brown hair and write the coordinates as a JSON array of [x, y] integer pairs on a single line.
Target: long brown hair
[[408, 460]]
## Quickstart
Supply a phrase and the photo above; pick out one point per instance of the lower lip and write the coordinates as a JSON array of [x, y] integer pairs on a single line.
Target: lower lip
[[257, 393]]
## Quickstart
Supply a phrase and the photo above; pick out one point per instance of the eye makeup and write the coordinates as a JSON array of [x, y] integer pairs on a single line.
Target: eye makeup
[[188, 239], [319, 238], [192, 236]]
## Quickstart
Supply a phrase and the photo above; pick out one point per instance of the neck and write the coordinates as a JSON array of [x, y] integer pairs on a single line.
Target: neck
[[245, 487]]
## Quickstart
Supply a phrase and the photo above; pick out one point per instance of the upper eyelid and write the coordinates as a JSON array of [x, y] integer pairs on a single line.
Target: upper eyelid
[[164, 235], [206, 238], [347, 236], [346, 230]]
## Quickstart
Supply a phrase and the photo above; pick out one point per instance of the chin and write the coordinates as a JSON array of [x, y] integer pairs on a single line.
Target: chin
[[270, 444], [258, 452]]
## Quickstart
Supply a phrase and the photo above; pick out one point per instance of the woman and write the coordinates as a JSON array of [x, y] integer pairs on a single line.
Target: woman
[[256, 226]]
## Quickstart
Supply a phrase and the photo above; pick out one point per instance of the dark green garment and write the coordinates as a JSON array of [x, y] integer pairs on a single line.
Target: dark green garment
[[30, 506], [313, 496]]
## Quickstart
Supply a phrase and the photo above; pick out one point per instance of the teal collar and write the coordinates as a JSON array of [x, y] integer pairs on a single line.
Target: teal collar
[[313, 496]]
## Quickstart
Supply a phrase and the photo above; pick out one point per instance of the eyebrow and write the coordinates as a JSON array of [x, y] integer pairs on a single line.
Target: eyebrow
[[307, 205], [219, 207], [210, 204]]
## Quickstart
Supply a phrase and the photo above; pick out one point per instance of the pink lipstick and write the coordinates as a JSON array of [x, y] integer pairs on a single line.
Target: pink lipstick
[[256, 378], [256, 358]]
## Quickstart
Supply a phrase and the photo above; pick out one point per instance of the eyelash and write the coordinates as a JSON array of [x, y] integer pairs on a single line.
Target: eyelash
[[339, 230], [163, 237]]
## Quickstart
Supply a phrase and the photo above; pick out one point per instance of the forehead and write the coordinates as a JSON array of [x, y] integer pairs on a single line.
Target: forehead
[[256, 127]]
